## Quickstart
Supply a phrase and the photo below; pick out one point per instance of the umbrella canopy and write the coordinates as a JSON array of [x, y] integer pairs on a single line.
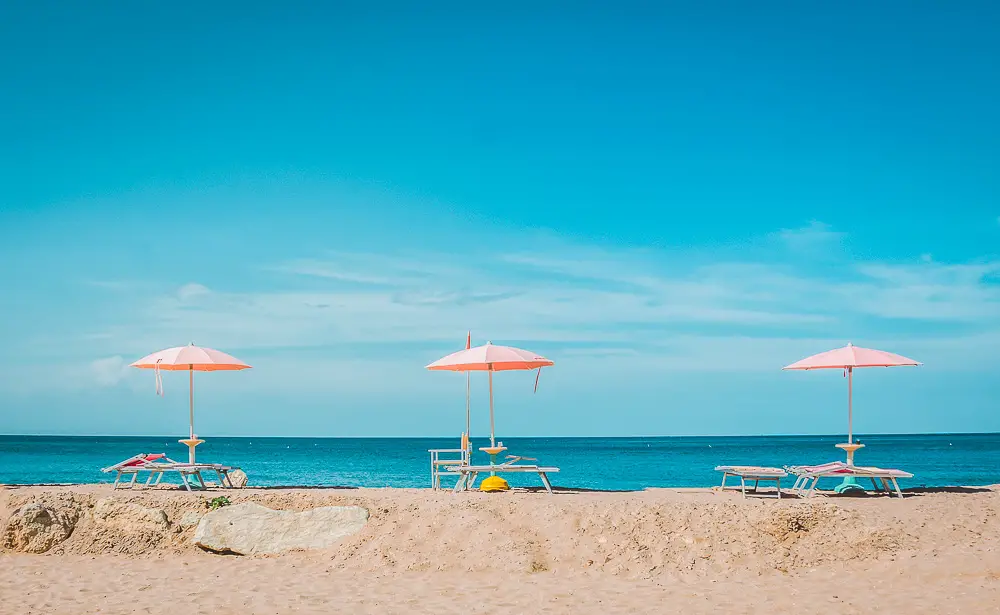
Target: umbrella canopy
[[191, 359], [848, 358], [490, 358]]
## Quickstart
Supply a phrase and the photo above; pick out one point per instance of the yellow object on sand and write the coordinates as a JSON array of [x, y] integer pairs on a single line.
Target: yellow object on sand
[[493, 483]]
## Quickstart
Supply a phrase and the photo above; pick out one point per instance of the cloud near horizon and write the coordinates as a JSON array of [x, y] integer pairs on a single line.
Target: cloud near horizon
[[672, 310]]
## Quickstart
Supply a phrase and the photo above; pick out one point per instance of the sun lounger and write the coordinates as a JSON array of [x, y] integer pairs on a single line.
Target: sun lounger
[[189, 470], [883, 479], [754, 473], [133, 465], [469, 473], [158, 464]]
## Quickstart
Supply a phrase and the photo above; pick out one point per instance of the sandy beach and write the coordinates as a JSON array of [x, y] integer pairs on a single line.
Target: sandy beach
[[521, 552]]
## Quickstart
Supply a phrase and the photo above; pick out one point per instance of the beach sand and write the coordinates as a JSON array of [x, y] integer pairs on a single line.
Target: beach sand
[[695, 551]]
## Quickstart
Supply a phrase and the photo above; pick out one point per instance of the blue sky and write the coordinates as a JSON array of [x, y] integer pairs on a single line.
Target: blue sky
[[670, 200]]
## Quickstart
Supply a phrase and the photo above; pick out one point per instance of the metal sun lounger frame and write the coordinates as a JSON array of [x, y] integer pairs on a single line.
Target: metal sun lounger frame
[[838, 469], [754, 473], [189, 469], [469, 473], [157, 469]]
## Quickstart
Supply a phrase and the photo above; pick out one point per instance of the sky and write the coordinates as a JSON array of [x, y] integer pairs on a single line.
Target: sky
[[670, 200]]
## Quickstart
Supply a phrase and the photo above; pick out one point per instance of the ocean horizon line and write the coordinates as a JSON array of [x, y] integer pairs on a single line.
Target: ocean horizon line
[[451, 436]]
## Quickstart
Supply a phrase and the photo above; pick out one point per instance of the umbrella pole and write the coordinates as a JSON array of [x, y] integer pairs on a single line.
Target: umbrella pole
[[191, 405], [191, 440], [850, 483], [850, 405], [468, 405], [493, 441]]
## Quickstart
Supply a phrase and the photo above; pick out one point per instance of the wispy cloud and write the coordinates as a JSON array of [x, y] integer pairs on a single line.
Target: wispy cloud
[[192, 291], [607, 305], [570, 294], [815, 235], [108, 371]]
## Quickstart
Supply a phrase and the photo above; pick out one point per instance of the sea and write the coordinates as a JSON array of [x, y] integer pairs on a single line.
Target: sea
[[612, 464]]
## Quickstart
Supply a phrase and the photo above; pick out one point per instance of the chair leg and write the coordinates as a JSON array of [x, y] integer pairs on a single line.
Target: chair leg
[[725, 475], [812, 487], [545, 481], [755, 483], [131, 483], [899, 492], [777, 485], [743, 487], [795, 485]]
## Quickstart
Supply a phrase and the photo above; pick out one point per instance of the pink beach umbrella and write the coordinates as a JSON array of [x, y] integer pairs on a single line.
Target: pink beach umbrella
[[490, 358], [848, 359], [191, 359]]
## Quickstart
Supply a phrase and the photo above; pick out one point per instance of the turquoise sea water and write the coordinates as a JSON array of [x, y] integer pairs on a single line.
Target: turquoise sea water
[[590, 463]]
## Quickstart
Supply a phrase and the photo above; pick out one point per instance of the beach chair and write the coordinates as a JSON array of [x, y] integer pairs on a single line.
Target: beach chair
[[469, 473], [444, 462], [754, 473], [133, 465], [158, 464], [187, 471], [883, 479]]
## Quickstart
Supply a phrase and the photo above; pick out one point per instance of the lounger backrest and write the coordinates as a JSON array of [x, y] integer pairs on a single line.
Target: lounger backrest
[[131, 461], [826, 467], [134, 461]]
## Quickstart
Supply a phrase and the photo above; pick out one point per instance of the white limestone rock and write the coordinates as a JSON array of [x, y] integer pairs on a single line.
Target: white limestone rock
[[189, 519], [238, 478], [250, 528]]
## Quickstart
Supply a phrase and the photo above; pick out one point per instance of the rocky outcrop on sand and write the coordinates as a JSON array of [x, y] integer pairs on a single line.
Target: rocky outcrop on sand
[[36, 527], [644, 534], [124, 527], [250, 528]]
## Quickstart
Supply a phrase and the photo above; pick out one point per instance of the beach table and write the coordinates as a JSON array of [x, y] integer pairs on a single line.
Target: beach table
[[469, 474], [754, 473]]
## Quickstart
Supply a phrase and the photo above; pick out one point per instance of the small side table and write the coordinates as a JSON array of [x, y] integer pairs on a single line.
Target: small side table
[[849, 483], [493, 482], [191, 443]]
